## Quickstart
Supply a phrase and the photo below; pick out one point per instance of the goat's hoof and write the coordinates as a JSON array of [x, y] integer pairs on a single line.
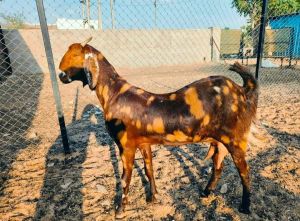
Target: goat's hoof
[[154, 200], [244, 210], [120, 213], [205, 193]]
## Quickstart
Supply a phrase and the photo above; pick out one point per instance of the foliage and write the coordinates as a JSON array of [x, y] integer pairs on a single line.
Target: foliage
[[252, 8], [14, 21], [247, 35]]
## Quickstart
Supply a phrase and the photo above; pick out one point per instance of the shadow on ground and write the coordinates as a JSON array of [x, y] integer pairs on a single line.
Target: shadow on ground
[[271, 200], [67, 186], [19, 99], [62, 192]]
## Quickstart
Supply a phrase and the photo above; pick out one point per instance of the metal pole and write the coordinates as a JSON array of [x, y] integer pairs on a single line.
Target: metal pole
[[99, 16], [291, 46], [112, 13], [51, 66], [88, 13], [5, 68], [260, 47], [155, 16], [211, 44], [83, 12]]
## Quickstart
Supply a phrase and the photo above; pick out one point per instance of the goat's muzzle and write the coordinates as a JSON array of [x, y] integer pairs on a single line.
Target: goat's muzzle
[[64, 78]]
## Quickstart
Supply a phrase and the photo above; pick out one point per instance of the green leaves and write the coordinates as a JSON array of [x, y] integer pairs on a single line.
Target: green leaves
[[14, 21], [252, 8]]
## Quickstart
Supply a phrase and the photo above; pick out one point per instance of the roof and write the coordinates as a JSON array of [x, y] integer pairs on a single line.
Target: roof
[[286, 15]]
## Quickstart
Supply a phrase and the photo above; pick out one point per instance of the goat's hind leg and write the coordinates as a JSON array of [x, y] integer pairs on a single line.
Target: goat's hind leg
[[218, 154], [238, 156]]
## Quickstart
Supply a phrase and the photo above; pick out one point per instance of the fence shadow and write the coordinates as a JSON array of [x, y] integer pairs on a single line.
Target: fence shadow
[[18, 102], [61, 194], [266, 192]]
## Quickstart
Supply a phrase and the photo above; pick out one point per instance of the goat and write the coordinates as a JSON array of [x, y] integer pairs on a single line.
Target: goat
[[213, 109]]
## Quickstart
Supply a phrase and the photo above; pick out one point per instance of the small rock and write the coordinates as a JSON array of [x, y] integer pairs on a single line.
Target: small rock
[[224, 188], [105, 203], [32, 135], [85, 115], [185, 179], [208, 170], [98, 112], [50, 164], [101, 189], [66, 184]]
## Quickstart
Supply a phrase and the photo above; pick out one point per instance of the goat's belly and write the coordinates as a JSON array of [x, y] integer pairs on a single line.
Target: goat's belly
[[175, 139]]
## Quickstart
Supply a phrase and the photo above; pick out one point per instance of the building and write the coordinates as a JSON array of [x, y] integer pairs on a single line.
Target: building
[[63, 23], [289, 39]]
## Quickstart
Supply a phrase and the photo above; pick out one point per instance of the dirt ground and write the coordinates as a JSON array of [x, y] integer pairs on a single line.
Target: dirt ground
[[38, 182]]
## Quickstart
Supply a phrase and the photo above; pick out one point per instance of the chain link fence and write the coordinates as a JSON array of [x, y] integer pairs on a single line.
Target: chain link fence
[[159, 45]]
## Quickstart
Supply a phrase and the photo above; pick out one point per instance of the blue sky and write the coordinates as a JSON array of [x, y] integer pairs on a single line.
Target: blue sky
[[137, 14]]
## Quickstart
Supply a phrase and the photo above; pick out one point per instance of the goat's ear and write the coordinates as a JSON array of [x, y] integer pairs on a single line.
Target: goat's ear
[[91, 70]]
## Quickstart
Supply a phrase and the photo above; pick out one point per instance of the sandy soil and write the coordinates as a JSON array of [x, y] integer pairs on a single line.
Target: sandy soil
[[38, 182]]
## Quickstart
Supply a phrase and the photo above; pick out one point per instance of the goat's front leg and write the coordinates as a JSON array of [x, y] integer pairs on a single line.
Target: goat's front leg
[[147, 155], [127, 156]]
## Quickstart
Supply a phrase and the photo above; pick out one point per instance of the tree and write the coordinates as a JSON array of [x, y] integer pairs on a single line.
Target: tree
[[252, 8], [14, 21]]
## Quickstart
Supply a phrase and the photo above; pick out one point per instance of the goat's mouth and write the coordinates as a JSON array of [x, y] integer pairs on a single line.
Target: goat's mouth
[[64, 78]]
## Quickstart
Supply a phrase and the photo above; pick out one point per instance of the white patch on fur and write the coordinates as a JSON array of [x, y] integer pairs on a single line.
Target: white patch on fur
[[217, 89], [88, 55], [91, 55]]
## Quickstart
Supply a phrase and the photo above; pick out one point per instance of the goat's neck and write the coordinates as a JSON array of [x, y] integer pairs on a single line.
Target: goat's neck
[[107, 79]]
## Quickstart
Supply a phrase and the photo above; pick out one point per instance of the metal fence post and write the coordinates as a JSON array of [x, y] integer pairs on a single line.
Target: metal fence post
[[262, 28], [211, 43], [5, 68], [51, 66]]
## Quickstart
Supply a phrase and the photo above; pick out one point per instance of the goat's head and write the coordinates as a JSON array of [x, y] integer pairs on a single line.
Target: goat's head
[[79, 63]]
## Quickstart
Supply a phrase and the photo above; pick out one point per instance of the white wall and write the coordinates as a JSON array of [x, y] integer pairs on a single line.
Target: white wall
[[123, 48]]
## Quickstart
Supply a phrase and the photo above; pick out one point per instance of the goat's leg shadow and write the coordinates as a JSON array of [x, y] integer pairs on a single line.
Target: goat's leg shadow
[[114, 162], [113, 155], [144, 181]]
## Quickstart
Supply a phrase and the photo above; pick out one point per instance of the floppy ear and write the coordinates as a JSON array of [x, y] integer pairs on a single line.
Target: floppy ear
[[91, 70]]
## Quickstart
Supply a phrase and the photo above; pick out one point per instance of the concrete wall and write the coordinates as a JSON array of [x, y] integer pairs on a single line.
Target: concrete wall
[[123, 48]]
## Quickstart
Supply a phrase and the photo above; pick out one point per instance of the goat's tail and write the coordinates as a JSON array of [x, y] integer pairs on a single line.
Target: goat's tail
[[258, 136], [250, 83]]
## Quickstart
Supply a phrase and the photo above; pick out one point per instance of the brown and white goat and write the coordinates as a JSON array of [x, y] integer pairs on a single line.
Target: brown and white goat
[[214, 109]]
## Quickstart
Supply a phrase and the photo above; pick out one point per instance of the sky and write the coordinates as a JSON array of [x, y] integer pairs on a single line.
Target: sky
[[136, 14]]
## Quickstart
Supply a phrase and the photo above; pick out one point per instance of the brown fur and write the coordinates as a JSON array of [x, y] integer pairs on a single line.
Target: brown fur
[[214, 109]]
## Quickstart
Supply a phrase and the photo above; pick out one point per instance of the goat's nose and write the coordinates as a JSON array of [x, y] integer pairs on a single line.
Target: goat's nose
[[62, 74]]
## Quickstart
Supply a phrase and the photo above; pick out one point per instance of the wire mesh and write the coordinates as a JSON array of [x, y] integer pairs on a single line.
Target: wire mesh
[[159, 45]]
